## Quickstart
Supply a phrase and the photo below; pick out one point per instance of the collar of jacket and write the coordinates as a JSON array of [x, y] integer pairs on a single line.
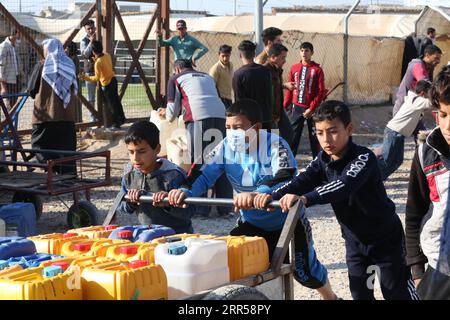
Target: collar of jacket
[[341, 162], [438, 143]]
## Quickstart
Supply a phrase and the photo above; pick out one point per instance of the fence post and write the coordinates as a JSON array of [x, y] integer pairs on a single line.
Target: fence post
[[163, 53], [347, 17]]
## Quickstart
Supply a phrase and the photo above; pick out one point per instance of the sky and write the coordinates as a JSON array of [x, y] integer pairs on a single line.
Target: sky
[[217, 7]]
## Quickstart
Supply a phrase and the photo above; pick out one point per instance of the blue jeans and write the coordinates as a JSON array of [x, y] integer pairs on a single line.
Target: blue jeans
[[393, 150]]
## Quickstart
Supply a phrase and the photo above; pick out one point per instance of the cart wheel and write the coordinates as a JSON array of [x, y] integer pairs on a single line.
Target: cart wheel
[[35, 199], [235, 292], [87, 215]]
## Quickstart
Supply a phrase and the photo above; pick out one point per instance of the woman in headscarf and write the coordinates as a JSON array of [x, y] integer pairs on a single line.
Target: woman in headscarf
[[55, 105]]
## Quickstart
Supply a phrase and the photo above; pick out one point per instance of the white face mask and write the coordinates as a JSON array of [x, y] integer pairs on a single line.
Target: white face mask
[[236, 139]]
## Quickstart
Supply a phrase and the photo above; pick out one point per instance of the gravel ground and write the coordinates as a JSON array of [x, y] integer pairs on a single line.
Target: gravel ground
[[369, 121]]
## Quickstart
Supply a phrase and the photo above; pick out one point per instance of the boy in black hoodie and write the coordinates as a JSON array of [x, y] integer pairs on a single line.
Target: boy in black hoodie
[[346, 175]]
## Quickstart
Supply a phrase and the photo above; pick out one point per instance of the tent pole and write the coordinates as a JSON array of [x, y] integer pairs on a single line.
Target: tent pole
[[258, 25], [347, 17]]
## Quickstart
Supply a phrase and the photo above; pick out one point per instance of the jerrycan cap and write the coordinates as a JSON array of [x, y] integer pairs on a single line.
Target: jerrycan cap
[[70, 234], [128, 250], [138, 264], [82, 246], [62, 264], [123, 234], [51, 271], [177, 248]]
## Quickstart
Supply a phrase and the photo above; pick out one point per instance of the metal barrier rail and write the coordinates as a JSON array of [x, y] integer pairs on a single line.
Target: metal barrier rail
[[202, 201]]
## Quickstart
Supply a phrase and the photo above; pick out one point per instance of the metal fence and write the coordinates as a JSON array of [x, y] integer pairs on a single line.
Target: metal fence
[[42, 22]]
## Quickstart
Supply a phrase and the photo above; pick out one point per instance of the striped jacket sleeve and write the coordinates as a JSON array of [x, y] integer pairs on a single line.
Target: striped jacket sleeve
[[303, 182], [354, 175]]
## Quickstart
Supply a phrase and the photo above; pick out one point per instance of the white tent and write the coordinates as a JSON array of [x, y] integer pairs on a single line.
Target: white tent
[[436, 17], [385, 25]]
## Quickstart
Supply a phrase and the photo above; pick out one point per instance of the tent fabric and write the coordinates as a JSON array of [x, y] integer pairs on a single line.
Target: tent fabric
[[438, 18], [360, 24]]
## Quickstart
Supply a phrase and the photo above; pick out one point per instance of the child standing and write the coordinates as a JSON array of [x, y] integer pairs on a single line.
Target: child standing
[[346, 175], [106, 79], [427, 240], [307, 95], [146, 173]]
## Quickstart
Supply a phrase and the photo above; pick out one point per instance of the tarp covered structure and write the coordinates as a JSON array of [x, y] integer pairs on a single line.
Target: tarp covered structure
[[438, 18], [385, 25], [376, 42]]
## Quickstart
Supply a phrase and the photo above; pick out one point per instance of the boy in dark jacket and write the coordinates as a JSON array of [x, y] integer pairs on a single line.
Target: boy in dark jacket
[[146, 173], [347, 176]]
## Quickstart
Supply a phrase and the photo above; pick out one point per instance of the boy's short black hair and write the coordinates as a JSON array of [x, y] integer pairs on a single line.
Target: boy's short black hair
[[143, 131], [431, 30], [97, 47], [182, 64], [276, 49], [431, 49], [423, 86], [247, 49], [269, 34], [333, 109], [307, 45], [246, 107], [90, 22], [440, 90], [225, 49]]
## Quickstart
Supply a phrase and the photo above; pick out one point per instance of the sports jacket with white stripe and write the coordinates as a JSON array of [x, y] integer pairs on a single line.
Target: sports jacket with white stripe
[[354, 188], [428, 184]]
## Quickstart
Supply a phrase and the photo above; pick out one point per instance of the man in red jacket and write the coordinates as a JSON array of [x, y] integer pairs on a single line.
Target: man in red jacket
[[309, 92]]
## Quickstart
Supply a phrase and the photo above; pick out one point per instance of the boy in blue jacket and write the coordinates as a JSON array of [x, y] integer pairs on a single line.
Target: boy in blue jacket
[[257, 161], [146, 173], [347, 176]]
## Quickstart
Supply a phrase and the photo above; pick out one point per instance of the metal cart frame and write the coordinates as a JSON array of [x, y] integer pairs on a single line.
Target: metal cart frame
[[278, 269], [28, 185]]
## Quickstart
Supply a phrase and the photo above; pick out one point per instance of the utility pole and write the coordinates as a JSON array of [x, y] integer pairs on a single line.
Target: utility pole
[[258, 24], [235, 3]]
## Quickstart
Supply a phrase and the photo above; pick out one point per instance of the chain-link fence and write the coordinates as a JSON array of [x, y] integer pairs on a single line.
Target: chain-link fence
[[41, 22]]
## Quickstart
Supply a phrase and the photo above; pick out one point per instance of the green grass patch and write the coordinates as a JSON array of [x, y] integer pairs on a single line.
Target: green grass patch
[[135, 97]]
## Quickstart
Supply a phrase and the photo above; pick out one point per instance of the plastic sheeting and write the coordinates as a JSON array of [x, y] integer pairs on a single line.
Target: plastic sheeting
[[374, 63]]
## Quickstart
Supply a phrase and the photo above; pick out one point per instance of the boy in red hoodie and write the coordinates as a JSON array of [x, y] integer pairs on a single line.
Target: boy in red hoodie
[[309, 92]]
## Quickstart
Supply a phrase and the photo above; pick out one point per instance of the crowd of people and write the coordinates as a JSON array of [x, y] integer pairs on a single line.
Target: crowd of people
[[244, 126], [263, 119]]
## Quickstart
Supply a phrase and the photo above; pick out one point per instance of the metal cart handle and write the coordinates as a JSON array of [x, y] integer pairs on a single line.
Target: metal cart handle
[[202, 201]]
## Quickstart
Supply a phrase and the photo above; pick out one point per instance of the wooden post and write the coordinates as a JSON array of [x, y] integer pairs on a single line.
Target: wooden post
[[133, 55], [164, 55]]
